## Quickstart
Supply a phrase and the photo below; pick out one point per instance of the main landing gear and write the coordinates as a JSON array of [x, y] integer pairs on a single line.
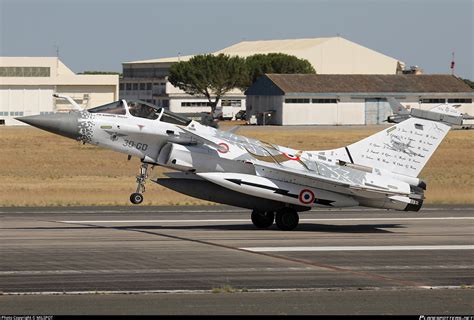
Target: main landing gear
[[137, 197], [286, 219], [262, 219]]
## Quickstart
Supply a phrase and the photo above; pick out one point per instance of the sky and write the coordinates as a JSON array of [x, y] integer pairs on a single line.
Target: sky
[[101, 34]]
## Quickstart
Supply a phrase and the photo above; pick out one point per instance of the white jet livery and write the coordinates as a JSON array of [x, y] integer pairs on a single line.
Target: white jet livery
[[275, 182]]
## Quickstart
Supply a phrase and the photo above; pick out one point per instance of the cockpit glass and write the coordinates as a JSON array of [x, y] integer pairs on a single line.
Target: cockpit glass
[[116, 107], [143, 110], [173, 118]]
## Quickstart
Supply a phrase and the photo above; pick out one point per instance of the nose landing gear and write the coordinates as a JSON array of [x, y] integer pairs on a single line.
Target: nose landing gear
[[137, 196]]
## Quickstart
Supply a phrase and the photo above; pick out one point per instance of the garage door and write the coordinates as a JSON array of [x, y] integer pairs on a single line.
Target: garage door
[[376, 110]]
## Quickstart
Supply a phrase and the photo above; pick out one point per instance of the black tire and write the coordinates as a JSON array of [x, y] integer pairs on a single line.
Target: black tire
[[287, 219], [262, 219], [136, 198]]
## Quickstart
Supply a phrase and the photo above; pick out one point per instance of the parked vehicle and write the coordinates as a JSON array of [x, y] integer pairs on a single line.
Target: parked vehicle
[[241, 115]]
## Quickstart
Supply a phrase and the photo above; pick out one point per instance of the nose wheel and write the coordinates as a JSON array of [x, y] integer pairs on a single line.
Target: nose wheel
[[137, 196]]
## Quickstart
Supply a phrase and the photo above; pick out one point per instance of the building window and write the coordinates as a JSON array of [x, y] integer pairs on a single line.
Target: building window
[[142, 86], [129, 86], [148, 86], [16, 113], [437, 100], [460, 100], [135, 86], [195, 104], [324, 100], [231, 103], [46, 112], [121, 86], [296, 100], [25, 71], [2, 122]]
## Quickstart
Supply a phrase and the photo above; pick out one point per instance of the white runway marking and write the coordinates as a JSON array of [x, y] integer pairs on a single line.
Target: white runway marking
[[247, 220], [359, 248], [180, 209], [126, 211], [155, 221]]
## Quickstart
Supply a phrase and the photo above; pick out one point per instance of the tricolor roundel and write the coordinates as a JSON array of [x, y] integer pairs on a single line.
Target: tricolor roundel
[[224, 147], [306, 196]]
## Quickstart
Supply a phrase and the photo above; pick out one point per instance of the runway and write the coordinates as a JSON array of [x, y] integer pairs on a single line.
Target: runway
[[194, 251]]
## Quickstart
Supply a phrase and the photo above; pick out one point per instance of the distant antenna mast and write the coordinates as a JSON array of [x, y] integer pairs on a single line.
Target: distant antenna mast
[[452, 64], [57, 59]]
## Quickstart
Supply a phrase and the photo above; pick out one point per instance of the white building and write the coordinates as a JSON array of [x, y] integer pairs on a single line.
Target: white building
[[146, 79], [283, 99], [27, 85]]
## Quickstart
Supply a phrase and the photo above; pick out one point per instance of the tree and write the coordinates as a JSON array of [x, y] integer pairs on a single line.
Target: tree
[[209, 75], [259, 64], [214, 75], [468, 82]]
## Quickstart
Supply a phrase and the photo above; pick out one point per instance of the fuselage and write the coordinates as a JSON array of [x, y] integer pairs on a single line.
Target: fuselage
[[189, 146], [246, 166]]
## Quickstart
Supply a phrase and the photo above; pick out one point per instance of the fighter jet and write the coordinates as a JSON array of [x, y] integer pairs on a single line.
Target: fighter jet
[[275, 182]]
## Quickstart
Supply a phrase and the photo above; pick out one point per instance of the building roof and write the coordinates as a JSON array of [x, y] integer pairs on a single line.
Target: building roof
[[161, 60], [328, 55], [247, 48], [57, 67], [350, 83], [59, 73]]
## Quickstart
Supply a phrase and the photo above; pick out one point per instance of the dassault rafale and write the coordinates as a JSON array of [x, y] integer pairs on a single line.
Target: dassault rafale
[[275, 182]]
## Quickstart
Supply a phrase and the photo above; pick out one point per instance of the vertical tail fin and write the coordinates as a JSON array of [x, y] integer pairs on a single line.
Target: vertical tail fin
[[406, 147]]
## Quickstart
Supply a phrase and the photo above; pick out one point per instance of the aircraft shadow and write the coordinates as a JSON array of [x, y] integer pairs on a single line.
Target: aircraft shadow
[[303, 227]]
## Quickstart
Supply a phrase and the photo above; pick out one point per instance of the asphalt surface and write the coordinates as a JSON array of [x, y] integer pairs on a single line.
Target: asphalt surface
[[158, 260]]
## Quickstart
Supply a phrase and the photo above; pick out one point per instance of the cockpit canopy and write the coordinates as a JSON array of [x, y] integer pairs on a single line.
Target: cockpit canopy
[[141, 109], [116, 107]]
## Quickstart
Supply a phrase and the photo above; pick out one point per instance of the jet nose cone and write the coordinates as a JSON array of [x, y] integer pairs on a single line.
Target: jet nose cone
[[64, 124]]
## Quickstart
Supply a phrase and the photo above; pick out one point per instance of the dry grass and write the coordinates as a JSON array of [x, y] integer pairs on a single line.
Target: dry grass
[[39, 169]]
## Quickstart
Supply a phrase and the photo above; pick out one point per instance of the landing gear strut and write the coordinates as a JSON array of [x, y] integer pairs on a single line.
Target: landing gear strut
[[287, 219], [137, 197], [262, 219]]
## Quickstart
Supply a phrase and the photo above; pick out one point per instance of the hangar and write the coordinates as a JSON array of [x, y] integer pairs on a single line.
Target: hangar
[[27, 85], [147, 79], [297, 99]]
